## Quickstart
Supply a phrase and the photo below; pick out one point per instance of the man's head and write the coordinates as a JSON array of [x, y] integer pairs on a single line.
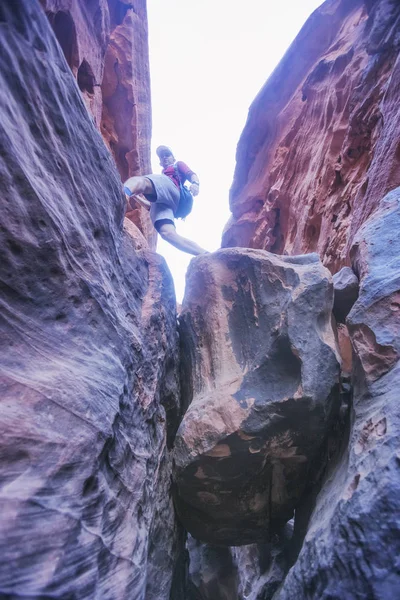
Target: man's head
[[165, 155]]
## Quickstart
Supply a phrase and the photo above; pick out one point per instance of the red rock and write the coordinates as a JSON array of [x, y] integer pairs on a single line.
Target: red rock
[[321, 144], [345, 349], [259, 358], [89, 397], [105, 44]]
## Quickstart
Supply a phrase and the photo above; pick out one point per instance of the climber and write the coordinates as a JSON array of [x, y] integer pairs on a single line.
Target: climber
[[162, 193]]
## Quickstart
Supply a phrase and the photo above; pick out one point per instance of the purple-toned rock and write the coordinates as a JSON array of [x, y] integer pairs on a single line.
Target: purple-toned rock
[[345, 285], [212, 572], [259, 358], [89, 356], [353, 541]]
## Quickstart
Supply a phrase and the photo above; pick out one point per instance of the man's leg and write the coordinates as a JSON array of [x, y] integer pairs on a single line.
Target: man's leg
[[168, 233], [139, 185]]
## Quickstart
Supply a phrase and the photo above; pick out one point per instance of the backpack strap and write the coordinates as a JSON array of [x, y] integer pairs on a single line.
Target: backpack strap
[[177, 173]]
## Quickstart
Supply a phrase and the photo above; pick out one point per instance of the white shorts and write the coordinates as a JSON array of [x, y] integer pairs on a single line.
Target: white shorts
[[166, 195]]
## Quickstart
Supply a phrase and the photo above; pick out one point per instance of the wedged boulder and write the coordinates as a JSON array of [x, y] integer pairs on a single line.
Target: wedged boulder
[[352, 545], [345, 285], [88, 357], [260, 360]]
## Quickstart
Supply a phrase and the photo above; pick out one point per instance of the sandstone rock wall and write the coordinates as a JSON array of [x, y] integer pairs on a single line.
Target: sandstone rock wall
[[321, 144], [89, 355], [105, 43], [353, 538], [318, 154]]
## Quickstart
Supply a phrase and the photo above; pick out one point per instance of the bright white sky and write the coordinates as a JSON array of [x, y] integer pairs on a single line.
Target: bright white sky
[[208, 60]]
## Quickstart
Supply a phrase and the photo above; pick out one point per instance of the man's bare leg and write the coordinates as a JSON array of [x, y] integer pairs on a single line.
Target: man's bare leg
[[139, 185], [168, 233], [136, 185]]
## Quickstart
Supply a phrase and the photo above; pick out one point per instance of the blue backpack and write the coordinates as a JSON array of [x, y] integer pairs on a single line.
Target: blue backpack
[[185, 199]]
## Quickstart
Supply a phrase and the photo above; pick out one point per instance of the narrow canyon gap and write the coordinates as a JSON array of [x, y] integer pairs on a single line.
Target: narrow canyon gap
[[245, 448]]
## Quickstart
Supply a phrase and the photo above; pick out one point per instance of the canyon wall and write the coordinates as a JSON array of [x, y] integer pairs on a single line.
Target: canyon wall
[[316, 160], [89, 355], [272, 428], [353, 537], [321, 144], [105, 43]]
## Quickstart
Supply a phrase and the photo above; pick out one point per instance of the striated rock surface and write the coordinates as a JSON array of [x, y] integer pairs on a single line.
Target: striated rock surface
[[353, 541], [89, 357], [321, 144], [105, 43], [260, 356]]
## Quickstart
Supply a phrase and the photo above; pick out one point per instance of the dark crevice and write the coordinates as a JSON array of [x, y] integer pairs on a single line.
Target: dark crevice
[[85, 78], [64, 30]]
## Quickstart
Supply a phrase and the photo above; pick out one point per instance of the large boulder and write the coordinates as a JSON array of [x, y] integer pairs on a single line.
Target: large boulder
[[89, 398], [352, 545], [259, 359]]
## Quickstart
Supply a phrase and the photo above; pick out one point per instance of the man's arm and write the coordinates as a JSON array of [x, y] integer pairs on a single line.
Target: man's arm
[[191, 176], [195, 187]]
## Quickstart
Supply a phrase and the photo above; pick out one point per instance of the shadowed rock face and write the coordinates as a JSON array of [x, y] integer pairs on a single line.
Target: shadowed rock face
[[251, 572], [260, 357], [88, 355], [321, 144], [345, 285], [353, 542], [105, 43]]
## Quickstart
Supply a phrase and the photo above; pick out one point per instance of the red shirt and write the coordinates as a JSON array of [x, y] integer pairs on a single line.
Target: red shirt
[[184, 172]]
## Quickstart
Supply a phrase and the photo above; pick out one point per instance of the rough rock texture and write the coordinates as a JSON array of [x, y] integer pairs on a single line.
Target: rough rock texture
[[345, 286], [262, 567], [251, 572], [321, 143], [212, 572], [352, 545], [105, 43], [260, 356], [89, 356], [345, 349]]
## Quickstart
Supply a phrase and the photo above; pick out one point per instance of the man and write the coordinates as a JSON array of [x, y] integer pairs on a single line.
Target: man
[[162, 193]]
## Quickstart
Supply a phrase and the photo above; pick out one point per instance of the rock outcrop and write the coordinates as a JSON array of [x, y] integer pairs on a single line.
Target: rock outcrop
[[321, 144], [89, 354], [260, 357], [353, 541], [105, 43]]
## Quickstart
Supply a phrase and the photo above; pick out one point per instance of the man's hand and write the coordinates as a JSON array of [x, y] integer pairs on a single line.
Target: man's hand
[[194, 189]]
